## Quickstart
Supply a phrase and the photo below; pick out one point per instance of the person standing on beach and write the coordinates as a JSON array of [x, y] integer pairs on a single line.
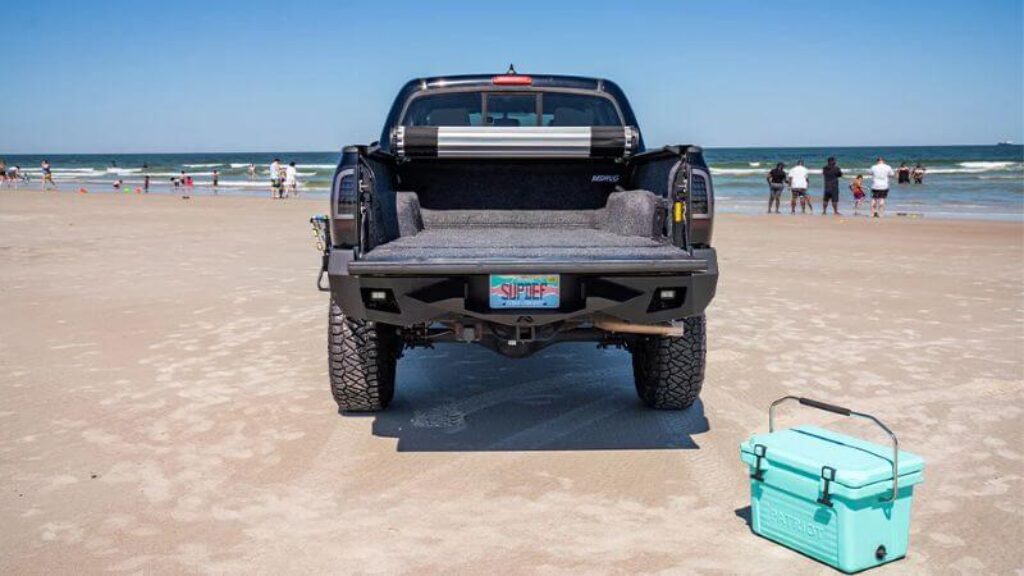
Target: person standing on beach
[[252, 171], [47, 175], [145, 184], [3, 171], [275, 179], [880, 174], [216, 179], [13, 176], [183, 181], [832, 173], [798, 187], [918, 174], [776, 184], [857, 188], [903, 174], [291, 182]]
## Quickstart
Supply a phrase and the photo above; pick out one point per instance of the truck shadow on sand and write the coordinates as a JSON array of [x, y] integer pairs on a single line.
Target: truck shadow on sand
[[567, 397]]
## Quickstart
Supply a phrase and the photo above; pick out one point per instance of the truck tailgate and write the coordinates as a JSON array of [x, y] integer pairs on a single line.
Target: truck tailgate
[[524, 250]]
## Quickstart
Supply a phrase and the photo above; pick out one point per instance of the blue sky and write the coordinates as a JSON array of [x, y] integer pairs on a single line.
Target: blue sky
[[260, 76]]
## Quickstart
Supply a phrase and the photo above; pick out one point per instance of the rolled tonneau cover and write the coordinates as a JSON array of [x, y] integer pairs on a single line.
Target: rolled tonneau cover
[[514, 141]]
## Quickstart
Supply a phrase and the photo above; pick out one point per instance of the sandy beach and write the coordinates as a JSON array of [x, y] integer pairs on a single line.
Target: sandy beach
[[164, 405]]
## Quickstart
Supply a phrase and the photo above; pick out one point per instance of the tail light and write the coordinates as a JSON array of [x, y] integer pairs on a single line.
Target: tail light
[[702, 207], [345, 226], [699, 195]]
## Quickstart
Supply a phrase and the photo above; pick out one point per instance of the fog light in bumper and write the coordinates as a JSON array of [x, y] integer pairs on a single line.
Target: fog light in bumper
[[667, 298], [379, 299]]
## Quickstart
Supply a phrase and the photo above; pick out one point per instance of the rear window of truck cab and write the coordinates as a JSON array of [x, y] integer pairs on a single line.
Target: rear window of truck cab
[[511, 109]]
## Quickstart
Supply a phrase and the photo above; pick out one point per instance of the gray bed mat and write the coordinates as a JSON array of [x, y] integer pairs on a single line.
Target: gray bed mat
[[504, 243]]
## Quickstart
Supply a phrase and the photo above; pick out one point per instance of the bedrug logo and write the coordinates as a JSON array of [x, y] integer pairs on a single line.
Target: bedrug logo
[[605, 178]]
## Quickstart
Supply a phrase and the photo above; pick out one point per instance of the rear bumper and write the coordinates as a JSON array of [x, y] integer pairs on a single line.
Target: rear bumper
[[439, 290]]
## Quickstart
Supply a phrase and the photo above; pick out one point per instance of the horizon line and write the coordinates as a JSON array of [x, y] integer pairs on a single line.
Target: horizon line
[[339, 150]]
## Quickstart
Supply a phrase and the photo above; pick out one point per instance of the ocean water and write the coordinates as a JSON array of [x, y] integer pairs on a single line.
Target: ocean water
[[982, 182], [962, 181]]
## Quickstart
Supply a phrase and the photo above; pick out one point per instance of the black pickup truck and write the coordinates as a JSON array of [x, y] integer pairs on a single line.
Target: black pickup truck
[[517, 211]]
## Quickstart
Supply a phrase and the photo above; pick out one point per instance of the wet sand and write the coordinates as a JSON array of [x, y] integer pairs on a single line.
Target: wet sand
[[164, 404]]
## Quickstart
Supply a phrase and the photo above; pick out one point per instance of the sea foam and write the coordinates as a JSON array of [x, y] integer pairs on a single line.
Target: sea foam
[[737, 171], [987, 165]]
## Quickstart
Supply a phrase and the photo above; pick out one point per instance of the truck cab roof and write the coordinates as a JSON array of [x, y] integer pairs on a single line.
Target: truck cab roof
[[518, 83]]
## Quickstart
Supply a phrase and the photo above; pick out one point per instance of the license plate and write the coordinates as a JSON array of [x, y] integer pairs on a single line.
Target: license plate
[[525, 290]]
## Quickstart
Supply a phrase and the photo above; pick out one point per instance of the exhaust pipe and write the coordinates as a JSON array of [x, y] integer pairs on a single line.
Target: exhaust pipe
[[611, 325]]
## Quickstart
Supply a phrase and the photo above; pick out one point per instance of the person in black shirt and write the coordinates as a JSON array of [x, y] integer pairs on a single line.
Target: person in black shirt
[[832, 174], [776, 184], [903, 174]]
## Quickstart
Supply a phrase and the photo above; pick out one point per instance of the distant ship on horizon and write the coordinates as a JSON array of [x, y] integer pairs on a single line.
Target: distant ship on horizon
[[1005, 143]]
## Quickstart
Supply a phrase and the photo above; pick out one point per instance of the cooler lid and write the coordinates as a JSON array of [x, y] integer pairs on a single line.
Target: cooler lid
[[857, 462]]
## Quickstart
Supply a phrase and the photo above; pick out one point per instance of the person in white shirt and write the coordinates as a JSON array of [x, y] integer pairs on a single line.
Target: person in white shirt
[[798, 176], [880, 174], [275, 178], [291, 182]]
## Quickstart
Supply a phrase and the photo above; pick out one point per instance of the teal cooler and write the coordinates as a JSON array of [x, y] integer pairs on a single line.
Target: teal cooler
[[837, 499]]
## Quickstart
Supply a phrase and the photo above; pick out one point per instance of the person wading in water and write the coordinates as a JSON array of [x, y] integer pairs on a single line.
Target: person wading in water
[[776, 184], [880, 174], [798, 181], [832, 174], [903, 174]]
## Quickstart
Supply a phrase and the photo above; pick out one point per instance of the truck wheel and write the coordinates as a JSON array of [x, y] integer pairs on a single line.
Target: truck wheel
[[361, 358], [669, 372]]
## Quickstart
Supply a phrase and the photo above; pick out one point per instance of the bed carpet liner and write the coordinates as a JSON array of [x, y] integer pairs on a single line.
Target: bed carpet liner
[[523, 243]]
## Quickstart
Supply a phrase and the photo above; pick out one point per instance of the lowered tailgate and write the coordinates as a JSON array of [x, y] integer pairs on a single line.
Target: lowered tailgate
[[517, 250]]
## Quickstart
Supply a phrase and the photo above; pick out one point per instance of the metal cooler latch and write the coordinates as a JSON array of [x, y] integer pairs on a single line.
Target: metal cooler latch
[[828, 474], [759, 452]]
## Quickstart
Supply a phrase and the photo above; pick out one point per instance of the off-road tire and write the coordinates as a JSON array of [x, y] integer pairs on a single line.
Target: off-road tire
[[669, 372], [362, 357]]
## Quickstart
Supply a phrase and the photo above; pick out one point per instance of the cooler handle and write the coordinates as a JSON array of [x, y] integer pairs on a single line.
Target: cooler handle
[[845, 412]]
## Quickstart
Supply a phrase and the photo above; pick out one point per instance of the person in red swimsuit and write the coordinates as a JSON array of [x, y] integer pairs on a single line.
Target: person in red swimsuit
[[857, 187]]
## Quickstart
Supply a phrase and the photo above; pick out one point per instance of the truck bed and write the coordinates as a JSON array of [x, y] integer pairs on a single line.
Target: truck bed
[[525, 250]]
